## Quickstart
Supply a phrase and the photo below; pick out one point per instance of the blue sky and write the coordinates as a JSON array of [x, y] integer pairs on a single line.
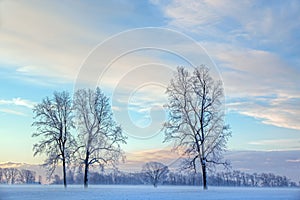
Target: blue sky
[[44, 45]]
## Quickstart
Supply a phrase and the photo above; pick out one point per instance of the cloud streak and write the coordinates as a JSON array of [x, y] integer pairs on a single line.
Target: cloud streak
[[18, 102], [284, 144], [280, 112], [13, 112], [135, 160]]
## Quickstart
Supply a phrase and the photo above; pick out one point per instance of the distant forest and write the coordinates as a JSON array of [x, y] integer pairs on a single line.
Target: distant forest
[[231, 178]]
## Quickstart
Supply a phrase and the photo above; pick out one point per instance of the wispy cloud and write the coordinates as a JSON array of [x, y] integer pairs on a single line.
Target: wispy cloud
[[135, 160], [232, 21], [16, 106], [293, 161], [13, 112], [259, 84], [281, 112], [18, 102], [278, 144], [50, 44], [248, 40], [253, 72]]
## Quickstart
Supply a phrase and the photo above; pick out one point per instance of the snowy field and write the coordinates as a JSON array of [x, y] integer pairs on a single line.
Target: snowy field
[[116, 192]]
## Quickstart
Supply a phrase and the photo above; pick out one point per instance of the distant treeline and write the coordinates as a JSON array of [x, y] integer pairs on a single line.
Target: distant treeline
[[16, 176], [230, 178]]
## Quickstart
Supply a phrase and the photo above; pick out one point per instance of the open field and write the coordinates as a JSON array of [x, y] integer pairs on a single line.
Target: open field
[[118, 192]]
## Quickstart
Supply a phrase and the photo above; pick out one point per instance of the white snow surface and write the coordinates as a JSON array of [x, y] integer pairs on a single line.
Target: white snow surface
[[145, 192]]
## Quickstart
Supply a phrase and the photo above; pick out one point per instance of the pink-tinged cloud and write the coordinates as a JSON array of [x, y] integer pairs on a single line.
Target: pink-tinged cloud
[[135, 160]]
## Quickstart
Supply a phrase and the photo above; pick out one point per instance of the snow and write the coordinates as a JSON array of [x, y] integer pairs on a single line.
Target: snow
[[145, 192]]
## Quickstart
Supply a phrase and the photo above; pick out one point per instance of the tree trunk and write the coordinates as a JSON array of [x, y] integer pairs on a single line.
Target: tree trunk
[[155, 181], [64, 172], [64, 153], [86, 170], [204, 178]]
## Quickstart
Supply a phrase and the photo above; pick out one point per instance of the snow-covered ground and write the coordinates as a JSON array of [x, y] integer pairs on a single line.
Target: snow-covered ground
[[116, 192]]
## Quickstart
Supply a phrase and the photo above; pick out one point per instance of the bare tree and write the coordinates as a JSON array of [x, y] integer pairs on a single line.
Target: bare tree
[[53, 122], [6, 175], [99, 136], [154, 172], [27, 176], [11, 175], [56, 180], [196, 119], [40, 179], [1, 175]]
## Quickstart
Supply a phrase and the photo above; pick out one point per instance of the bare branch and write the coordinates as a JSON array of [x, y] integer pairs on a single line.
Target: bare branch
[[196, 121], [99, 138], [53, 122]]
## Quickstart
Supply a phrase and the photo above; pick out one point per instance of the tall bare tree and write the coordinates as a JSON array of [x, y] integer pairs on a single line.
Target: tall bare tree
[[196, 118], [53, 122], [99, 136], [154, 172]]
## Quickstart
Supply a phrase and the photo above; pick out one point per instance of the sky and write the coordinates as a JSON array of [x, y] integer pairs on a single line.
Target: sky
[[130, 49]]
